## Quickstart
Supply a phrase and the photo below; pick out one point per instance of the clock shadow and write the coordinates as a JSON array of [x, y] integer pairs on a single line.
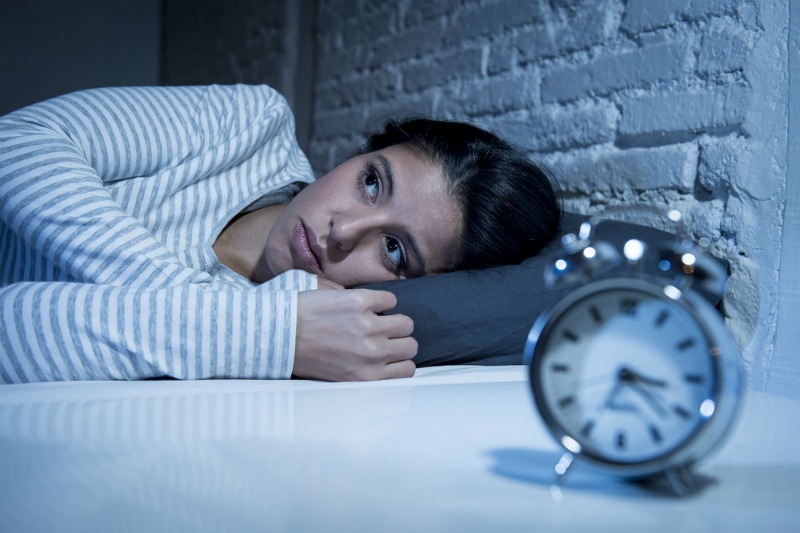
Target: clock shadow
[[537, 467]]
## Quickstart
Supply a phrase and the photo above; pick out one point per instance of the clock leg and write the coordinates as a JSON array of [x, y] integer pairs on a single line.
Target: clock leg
[[561, 469], [681, 480]]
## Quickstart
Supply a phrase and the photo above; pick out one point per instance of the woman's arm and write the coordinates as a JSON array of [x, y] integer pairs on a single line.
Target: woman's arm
[[73, 331], [60, 159]]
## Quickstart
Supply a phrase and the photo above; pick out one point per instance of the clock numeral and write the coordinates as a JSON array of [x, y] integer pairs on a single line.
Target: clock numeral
[[596, 316], [681, 412], [587, 428], [628, 306], [571, 335], [662, 317], [686, 343], [655, 434], [620, 440], [696, 379], [566, 401], [559, 367]]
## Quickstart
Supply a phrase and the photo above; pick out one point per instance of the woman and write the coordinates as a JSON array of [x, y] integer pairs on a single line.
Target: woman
[[154, 232]]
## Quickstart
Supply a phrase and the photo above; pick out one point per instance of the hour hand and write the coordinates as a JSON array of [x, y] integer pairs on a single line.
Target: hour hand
[[651, 381], [629, 376]]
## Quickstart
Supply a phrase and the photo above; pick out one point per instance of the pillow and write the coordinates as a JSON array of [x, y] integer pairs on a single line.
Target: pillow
[[484, 316]]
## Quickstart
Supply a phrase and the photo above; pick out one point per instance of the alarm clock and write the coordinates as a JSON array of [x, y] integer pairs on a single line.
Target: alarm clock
[[634, 372]]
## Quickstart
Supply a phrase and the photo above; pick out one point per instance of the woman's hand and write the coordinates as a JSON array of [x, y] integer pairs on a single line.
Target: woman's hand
[[323, 283], [342, 336]]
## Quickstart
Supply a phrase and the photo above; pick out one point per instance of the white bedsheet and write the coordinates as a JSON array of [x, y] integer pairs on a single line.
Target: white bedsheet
[[452, 449]]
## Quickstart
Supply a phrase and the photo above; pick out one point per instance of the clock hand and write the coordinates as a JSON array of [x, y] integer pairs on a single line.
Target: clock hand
[[628, 375], [651, 381], [607, 404], [651, 399]]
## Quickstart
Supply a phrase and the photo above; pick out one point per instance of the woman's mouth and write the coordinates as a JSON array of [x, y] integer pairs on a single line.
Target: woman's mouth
[[302, 248]]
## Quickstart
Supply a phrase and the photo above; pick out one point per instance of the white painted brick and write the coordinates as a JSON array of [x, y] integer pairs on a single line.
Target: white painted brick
[[500, 59], [423, 11], [742, 306], [548, 130], [732, 163], [647, 14], [607, 73], [641, 15], [723, 51], [357, 89], [400, 107], [407, 44], [718, 161], [440, 69], [701, 8], [339, 63], [541, 41], [371, 27], [704, 219], [603, 169], [495, 95], [493, 18], [651, 116]]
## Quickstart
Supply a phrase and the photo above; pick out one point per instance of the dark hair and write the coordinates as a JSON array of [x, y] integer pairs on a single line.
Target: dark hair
[[509, 202]]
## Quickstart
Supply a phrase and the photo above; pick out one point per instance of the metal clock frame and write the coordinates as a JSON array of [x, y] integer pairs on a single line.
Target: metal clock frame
[[725, 395], [592, 268]]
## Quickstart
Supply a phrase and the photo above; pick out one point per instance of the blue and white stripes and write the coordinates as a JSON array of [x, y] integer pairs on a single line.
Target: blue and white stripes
[[110, 201]]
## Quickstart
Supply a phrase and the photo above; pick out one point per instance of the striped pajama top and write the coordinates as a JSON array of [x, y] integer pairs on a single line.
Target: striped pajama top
[[110, 201]]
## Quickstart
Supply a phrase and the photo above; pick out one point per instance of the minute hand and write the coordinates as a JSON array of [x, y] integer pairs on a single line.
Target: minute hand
[[650, 398]]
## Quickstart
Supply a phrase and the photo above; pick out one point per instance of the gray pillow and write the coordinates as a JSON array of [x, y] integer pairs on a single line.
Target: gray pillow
[[484, 316]]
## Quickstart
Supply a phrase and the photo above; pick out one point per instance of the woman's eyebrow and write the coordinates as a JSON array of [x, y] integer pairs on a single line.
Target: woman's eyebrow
[[415, 254], [387, 171]]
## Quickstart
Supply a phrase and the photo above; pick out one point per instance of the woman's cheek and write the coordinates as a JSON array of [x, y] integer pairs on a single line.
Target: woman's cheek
[[359, 269]]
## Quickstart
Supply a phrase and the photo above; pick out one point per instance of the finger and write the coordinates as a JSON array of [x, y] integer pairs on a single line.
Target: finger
[[400, 369], [393, 326], [375, 301], [402, 349]]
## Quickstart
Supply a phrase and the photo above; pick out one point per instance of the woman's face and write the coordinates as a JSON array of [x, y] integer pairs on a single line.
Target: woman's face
[[379, 216]]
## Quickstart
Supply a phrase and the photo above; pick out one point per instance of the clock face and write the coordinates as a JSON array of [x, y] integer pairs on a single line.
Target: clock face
[[626, 373]]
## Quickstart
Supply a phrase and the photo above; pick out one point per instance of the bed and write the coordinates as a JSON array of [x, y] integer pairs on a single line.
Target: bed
[[456, 448]]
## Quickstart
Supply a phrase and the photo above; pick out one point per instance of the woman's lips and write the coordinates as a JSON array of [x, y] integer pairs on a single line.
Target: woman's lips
[[303, 252]]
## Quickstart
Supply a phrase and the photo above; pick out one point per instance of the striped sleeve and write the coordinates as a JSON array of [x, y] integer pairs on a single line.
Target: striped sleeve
[[56, 157], [72, 331], [91, 292]]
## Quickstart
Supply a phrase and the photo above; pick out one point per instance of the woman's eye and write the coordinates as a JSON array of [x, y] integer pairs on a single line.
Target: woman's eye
[[394, 252], [371, 183]]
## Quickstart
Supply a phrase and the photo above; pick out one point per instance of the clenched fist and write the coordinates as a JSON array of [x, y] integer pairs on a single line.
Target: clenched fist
[[342, 336]]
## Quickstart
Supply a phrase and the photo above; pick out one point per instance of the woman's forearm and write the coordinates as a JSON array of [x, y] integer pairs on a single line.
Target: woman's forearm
[[73, 331]]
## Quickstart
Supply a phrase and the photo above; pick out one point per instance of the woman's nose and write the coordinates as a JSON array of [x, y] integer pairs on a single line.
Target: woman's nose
[[347, 232]]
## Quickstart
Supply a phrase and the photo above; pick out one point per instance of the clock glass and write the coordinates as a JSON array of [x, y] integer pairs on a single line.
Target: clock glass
[[627, 372]]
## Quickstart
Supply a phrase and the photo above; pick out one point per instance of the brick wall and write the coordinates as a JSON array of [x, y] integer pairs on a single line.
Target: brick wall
[[679, 103]]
